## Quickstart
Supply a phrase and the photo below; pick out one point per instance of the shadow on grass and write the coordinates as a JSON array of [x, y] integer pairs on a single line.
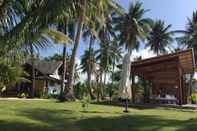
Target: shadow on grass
[[146, 106], [121, 104], [135, 123], [67, 120]]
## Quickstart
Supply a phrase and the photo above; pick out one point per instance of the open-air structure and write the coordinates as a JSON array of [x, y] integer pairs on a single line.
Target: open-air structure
[[168, 75]]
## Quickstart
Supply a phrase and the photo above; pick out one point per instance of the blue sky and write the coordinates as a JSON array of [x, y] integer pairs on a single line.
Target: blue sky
[[174, 12]]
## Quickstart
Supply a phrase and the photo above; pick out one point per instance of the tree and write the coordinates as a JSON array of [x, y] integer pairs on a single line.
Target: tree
[[26, 25], [159, 37], [133, 28], [85, 11], [88, 65]]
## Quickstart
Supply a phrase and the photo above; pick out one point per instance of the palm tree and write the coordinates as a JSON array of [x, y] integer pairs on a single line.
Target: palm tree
[[189, 38], [85, 11], [26, 21], [88, 61], [160, 37], [88, 65], [107, 55], [133, 28], [23, 18], [115, 58]]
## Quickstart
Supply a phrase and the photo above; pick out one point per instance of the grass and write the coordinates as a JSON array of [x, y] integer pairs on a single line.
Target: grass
[[53, 116]]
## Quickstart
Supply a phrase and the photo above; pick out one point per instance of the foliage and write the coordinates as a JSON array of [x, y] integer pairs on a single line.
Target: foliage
[[159, 37], [10, 74], [88, 61], [113, 90], [80, 90], [189, 39], [132, 26], [194, 98]]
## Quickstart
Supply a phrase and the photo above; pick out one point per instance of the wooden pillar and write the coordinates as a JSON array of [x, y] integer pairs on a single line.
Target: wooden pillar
[[180, 87], [132, 88]]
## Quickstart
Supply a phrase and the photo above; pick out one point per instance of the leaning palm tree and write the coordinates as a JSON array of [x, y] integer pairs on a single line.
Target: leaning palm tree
[[85, 11], [160, 37], [133, 28], [26, 20], [42, 41]]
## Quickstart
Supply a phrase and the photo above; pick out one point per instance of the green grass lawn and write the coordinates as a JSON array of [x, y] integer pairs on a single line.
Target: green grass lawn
[[53, 116]]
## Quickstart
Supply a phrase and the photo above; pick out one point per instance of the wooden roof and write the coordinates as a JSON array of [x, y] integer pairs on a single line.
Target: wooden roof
[[164, 69]]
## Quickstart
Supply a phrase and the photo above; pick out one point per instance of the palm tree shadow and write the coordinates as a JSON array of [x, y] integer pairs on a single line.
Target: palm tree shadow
[[134, 123], [61, 120]]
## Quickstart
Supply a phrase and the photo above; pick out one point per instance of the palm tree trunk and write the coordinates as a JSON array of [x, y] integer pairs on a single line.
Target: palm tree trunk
[[89, 73], [63, 74], [61, 97], [33, 71], [100, 91], [74, 52], [112, 80]]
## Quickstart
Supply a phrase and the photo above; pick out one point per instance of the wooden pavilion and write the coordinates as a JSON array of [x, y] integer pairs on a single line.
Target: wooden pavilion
[[168, 75]]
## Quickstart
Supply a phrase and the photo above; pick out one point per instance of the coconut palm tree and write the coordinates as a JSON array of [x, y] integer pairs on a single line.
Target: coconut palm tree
[[88, 65], [86, 11], [160, 37], [28, 20], [189, 38], [133, 28]]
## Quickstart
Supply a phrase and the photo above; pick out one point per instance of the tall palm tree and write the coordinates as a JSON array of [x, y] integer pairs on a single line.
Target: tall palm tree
[[67, 27], [85, 11], [88, 61], [117, 50], [160, 37], [133, 28], [88, 65], [189, 38]]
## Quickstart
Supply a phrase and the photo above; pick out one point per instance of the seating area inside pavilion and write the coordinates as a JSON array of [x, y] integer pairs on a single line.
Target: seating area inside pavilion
[[169, 76]]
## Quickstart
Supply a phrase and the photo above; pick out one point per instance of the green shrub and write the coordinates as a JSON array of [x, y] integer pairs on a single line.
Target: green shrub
[[194, 98]]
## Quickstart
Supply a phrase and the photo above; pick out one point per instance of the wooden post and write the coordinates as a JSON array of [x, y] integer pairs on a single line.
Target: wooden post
[[132, 88]]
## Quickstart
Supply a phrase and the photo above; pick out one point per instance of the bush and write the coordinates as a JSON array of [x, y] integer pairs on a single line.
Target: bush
[[194, 98]]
